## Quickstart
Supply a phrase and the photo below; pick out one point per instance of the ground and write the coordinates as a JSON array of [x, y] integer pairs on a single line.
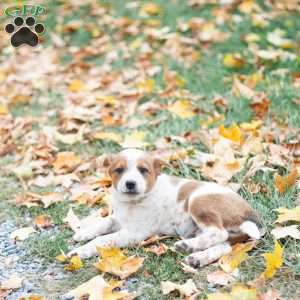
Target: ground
[[111, 74]]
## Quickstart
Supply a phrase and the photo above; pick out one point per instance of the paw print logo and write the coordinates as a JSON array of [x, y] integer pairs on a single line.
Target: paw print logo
[[24, 33]]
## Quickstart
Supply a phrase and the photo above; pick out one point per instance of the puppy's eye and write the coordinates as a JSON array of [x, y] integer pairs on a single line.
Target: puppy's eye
[[119, 170], [143, 170]]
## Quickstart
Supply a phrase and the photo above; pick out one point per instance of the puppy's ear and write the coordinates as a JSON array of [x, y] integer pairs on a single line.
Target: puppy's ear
[[158, 165], [107, 161]]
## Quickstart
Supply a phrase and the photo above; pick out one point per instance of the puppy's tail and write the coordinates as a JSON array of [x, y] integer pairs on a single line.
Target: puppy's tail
[[251, 229]]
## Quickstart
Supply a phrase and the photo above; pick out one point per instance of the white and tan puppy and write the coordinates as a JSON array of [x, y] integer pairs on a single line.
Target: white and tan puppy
[[208, 217]]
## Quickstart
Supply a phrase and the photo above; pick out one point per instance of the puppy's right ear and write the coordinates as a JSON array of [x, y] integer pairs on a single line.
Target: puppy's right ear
[[107, 161]]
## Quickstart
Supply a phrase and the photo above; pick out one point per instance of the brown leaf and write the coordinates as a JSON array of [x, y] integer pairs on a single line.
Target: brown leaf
[[260, 105], [66, 162], [43, 221], [219, 278], [159, 249], [282, 183]]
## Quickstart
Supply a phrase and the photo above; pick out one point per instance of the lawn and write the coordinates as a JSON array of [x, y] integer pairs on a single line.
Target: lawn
[[178, 78]]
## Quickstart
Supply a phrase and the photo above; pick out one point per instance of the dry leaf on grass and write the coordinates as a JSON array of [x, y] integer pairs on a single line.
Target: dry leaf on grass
[[232, 133], [270, 295], [182, 108], [12, 283], [22, 233], [238, 254], [33, 297], [114, 261], [159, 249], [282, 232], [282, 183], [93, 289], [273, 260], [285, 214], [43, 221], [74, 264], [187, 289], [238, 292], [219, 278], [233, 60], [135, 140], [66, 162]]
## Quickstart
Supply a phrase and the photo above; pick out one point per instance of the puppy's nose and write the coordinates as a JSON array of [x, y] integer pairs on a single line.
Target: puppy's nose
[[130, 185]]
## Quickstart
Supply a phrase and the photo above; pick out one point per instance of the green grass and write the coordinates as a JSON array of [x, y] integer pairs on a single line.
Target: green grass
[[206, 78]]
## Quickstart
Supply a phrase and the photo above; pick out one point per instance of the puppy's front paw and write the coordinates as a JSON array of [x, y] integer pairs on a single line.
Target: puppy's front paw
[[82, 235], [83, 251], [182, 246]]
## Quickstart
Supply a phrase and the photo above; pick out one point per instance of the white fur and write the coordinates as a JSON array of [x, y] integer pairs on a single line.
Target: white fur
[[138, 217], [251, 229]]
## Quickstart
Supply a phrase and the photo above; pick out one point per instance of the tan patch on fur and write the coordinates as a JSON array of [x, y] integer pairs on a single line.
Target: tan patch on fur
[[185, 192], [221, 210], [151, 175], [117, 162]]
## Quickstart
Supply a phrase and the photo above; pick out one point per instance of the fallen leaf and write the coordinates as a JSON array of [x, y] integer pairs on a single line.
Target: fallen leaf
[[151, 8], [286, 214], [33, 297], [159, 249], [12, 283], [282, 183], [273, 261], [277, 38], [240, 89], [66, 162], [282, 232], [76, 86], [114, 261], [233, 60], [22, 233], [111, 136], [187, 289], [62, 257], [75, 263], [240, 292], [72, 220], [182, 108], [50, 198], [219, 278], [270, 295], [260, 105], [135, 140], [43, 221], [231, 261], [232, 133], [93, 289]]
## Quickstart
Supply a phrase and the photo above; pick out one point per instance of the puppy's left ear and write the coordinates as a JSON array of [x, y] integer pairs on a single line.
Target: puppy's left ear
[[158, 165], [107, 161]]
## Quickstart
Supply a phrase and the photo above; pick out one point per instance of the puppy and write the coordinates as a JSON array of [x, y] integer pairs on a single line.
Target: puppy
[[208, 217]]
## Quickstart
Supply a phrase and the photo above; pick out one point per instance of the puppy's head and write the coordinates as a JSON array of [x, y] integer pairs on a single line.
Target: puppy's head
[[133, 172]]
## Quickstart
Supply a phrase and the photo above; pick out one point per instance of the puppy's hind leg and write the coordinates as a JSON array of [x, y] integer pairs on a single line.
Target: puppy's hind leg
[[203, 258], [209, 237]]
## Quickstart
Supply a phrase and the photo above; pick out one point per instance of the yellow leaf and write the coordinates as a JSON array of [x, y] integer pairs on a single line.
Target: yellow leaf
[[240, 292], [114, 261], [233, 60], [66, 162], [76, 86], [3, 110], [282, 183], [253, 125], [112, 136], [182, 108], [151, 9], [238, 254], [135, 140], [286, 214], [219, 296], [74, 264], [93, 289], [62, 257], [232, 133], [146, 86], [273, 261]]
